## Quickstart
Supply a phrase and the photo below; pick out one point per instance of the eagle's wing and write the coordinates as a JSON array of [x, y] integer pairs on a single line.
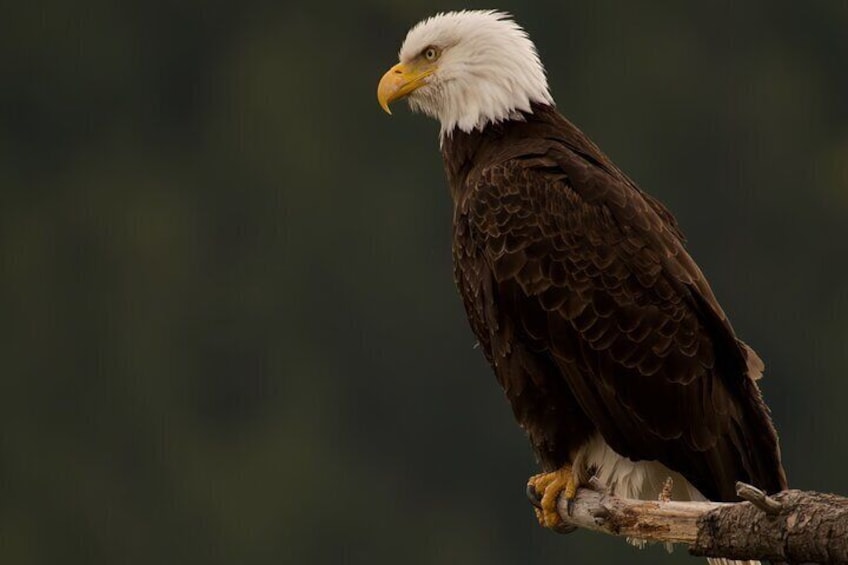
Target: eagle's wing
[[594, 276]]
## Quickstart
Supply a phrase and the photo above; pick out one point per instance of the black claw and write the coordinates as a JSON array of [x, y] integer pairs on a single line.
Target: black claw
[[534, 497]]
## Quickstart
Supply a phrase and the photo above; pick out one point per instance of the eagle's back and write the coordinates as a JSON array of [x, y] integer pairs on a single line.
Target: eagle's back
[[596, 320]]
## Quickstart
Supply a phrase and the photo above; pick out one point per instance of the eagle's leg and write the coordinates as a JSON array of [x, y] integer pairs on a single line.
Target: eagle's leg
[[550, 486]]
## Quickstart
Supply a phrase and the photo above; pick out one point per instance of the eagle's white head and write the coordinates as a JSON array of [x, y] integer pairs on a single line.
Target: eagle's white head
[[467, 69]]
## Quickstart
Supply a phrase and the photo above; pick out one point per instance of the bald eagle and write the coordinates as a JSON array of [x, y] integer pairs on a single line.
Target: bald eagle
[[611, 348]]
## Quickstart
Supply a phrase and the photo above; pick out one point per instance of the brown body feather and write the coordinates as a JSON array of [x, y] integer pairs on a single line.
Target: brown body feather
[[592, 313]]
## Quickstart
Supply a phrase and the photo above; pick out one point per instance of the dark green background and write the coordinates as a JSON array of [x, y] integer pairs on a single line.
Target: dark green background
[[230, 332]]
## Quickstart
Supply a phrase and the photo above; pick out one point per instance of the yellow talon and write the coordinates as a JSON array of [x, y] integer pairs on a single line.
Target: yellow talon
[[550, 486]]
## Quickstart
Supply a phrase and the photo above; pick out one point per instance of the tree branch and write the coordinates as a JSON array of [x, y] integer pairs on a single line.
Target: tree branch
[[792, 526]]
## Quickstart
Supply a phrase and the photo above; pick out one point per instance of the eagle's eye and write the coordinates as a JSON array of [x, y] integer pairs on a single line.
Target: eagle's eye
[[431, 54]]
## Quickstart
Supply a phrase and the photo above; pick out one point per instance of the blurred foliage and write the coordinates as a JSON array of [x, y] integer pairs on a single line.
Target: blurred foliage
[[231, 333]]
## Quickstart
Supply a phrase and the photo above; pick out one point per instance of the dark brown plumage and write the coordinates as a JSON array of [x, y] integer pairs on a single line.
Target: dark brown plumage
[[593, 315]]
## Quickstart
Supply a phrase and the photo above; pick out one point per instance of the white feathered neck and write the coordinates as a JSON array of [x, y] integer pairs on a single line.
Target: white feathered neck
[[488, 69]]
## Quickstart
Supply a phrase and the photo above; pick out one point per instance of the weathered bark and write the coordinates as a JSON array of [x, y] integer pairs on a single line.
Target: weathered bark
[[792, 526], [809, 527]]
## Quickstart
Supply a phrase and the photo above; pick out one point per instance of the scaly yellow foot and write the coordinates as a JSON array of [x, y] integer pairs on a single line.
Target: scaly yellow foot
[[550, 486]]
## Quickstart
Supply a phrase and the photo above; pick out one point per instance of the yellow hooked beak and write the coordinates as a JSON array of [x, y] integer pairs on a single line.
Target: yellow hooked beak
[[400, 80]]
